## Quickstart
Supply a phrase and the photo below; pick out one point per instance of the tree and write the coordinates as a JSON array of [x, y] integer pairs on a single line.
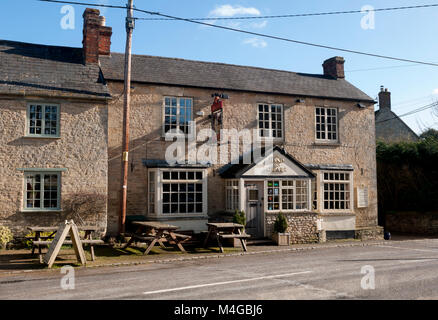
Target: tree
[[430, 134]]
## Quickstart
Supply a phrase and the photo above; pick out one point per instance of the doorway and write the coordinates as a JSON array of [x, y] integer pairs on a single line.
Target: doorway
[[254, 209]]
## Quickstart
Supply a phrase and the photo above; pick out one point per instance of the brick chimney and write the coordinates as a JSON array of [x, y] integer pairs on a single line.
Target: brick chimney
[[96, 36], [334, 67], [384, 98]]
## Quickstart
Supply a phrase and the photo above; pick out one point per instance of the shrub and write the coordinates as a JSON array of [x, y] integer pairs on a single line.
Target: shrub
[[407, 175], [239, 217], [280, 225], [5, 236]]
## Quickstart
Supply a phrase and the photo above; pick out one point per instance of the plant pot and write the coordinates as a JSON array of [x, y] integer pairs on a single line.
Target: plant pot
[[282, 239]]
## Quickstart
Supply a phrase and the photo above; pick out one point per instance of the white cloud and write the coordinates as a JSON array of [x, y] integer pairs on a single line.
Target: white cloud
[[259, 25], [234, 24], [228, 10], [255, 42], [435, 91]]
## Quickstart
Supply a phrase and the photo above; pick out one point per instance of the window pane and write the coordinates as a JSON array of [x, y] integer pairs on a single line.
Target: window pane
[[180, 198]]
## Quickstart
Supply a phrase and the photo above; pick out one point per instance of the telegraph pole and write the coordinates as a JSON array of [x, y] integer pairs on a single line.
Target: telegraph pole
[[126, 112]]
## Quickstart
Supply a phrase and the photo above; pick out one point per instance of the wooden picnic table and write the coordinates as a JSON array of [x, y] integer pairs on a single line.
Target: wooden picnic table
[[153, 232], [38, 240], [226, 230]]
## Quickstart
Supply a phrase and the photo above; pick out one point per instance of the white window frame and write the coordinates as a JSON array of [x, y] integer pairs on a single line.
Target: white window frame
[[350, 190], [152, 192], [43, 125], [41, 173], [178, 109], [269, 130], [158, 194], [326, 131], [309, 203], [232, 198]]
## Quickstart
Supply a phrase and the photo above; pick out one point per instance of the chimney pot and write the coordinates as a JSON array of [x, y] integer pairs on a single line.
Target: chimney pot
[[334, 67]]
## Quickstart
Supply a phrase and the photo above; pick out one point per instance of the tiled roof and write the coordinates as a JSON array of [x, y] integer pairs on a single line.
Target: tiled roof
[[160, 70], [33, 69]]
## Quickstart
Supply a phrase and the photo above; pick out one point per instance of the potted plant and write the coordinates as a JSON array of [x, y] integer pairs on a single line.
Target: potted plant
[[280, 227], [240, 218]]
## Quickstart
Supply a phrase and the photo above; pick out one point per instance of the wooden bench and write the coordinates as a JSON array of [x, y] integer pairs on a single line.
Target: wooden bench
[[89, 242], [159, 232], [236, 236], [179, 235], [226, 230]]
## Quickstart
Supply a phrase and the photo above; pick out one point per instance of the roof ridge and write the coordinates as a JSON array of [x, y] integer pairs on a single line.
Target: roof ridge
[[220, 63], [36, 44]]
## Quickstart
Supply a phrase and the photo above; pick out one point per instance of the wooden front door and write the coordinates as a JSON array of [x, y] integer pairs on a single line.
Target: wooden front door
[[254, 209]]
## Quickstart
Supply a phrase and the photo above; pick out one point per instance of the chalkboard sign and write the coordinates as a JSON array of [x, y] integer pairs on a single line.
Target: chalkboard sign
[[69, 227]]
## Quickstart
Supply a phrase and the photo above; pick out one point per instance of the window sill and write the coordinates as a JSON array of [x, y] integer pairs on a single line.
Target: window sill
[[186, 137], [41, 137], [276, 212], [187, 216], [336, 213], [40, 211], [327, 144]]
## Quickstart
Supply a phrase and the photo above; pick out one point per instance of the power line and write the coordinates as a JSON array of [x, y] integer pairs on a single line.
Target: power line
[[300, 14], [253, 33], [411, 112], [382, 68]]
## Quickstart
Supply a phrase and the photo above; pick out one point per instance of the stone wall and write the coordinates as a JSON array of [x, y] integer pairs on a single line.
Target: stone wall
[[81, 149], [356, 146], [371, 233], [425, 223], [301, 226]]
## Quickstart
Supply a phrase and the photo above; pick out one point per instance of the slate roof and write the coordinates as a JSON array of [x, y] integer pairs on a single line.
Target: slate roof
[[160, 70], [34, 69], [389, 116]]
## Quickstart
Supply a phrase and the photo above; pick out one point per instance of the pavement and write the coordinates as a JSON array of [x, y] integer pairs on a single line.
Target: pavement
[[403, 269]]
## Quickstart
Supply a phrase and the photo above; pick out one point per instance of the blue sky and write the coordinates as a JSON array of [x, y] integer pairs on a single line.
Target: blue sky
[[410, 34]]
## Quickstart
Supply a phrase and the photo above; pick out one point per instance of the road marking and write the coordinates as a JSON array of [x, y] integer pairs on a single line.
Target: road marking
[[417, 261], [226, 282], [422, 250]]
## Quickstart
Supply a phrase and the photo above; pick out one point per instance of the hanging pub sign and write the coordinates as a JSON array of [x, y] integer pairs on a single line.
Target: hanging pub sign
[[217, 113]]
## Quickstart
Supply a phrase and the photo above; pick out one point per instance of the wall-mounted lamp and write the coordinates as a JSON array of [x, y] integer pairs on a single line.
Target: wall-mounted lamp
[[360, 105], [300, 101]]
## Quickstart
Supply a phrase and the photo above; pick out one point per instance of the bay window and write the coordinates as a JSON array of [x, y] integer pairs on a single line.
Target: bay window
[[174, 192], [288, 195]]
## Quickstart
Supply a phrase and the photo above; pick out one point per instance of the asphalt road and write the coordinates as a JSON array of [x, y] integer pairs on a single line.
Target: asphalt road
[[403, 270]]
